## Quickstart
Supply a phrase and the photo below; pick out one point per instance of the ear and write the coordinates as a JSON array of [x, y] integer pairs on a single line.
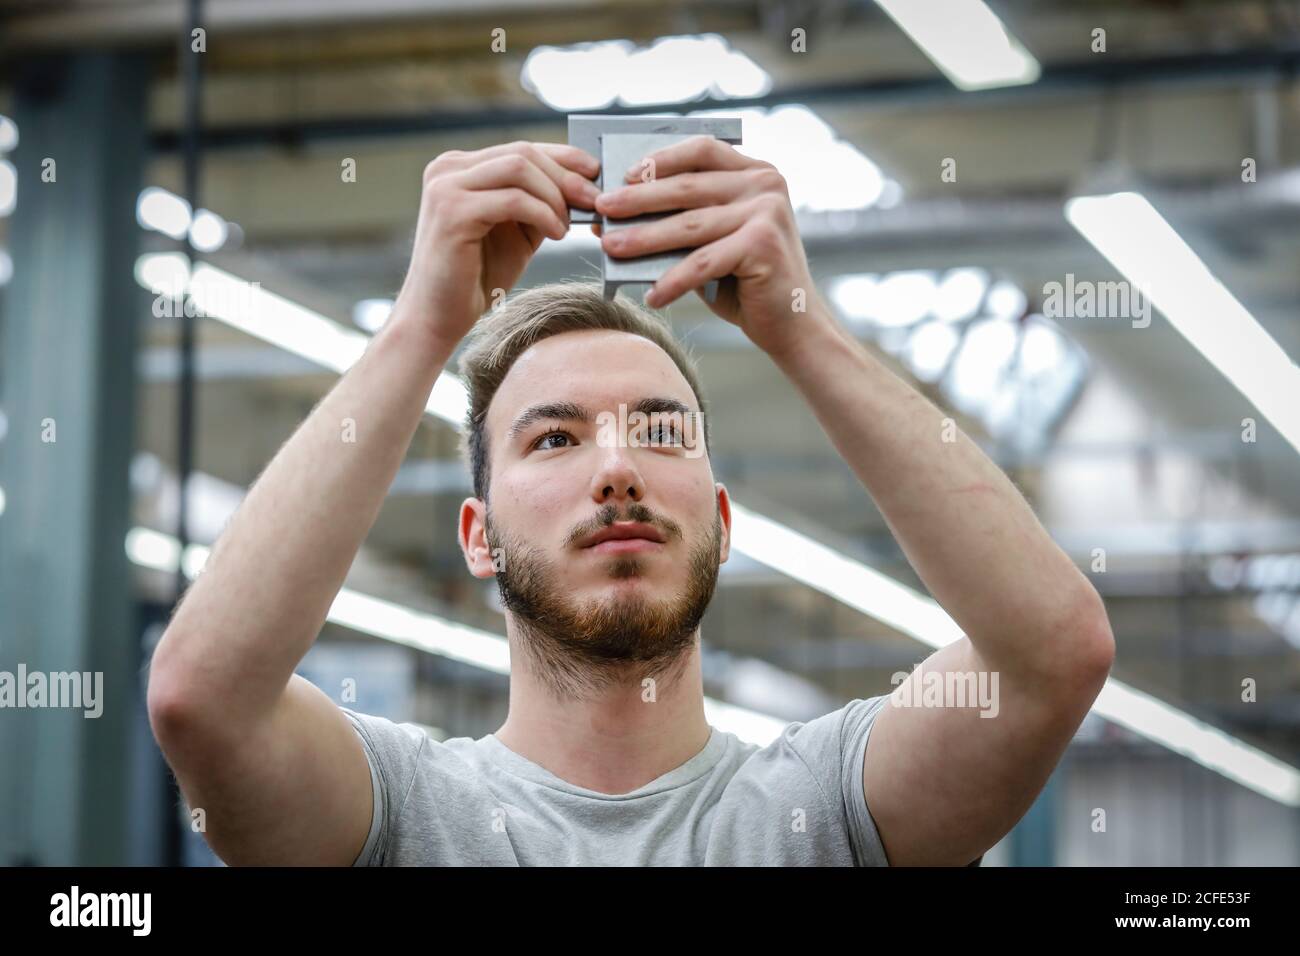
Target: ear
[[472, 534], [724, 509]]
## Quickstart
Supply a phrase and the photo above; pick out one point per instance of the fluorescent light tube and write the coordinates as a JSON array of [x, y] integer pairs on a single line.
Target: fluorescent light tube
[[1149, 253], [966, 40]]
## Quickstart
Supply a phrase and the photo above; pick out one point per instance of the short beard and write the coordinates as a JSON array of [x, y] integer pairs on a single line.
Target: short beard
[[578, 651]]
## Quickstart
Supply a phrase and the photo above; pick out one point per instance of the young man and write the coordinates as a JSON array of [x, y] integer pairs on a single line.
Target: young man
[[606, 552]]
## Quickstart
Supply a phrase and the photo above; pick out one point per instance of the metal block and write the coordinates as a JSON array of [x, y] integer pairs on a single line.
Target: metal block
[[619, 151]]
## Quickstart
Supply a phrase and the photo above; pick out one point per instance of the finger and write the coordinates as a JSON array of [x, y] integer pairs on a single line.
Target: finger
[[559, 162], [532, 234], [550, 158], [697, 154], [512, 204], [571, 157], [683, 191], [693, 227], [516, 170], [570, 168], [714, 261]]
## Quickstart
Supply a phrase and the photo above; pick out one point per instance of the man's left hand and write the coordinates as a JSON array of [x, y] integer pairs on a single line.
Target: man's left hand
[[737, 211]]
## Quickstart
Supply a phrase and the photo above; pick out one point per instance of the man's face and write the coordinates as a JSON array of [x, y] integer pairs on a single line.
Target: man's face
[[584, 612]]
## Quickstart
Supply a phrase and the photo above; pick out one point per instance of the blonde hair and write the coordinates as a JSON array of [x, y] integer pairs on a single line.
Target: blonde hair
[[528, 317]]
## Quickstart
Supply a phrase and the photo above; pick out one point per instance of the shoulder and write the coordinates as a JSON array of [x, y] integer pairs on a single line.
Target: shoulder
[[822, 741], [408, 767], [812, 775], [398, 750], [831, 736], [387, 736]]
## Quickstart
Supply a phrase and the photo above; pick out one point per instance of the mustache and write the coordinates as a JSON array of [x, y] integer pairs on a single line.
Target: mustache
[[638, 512]]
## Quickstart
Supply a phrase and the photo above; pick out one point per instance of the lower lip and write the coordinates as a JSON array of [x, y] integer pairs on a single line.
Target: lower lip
[[624, 545]]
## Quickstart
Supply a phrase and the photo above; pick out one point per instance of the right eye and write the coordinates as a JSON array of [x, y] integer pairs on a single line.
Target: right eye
[[537, 444]]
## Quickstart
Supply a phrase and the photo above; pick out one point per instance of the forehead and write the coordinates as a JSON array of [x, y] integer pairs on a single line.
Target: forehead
[[597, 368]]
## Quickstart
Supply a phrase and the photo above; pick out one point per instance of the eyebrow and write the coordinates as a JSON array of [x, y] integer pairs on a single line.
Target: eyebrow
[[561, 411], [572, 412]]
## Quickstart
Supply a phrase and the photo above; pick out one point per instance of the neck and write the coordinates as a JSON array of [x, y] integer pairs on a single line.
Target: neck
[[617, 738]]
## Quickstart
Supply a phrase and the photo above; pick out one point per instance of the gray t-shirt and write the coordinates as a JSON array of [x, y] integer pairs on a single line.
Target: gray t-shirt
[[466, 802]]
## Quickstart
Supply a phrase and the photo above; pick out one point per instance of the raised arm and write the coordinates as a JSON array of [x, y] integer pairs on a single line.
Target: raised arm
[[274, 763], [943, 784]]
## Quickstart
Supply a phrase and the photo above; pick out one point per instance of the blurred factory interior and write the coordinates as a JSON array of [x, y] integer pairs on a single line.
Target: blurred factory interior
[[933, 207]]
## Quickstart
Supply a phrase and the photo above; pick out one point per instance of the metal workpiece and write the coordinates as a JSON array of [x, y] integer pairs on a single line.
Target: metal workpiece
[[619, 142]]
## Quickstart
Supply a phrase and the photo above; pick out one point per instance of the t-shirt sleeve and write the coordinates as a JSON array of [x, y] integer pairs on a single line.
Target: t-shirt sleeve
[[392, 753], [831, 749], [859, 718]]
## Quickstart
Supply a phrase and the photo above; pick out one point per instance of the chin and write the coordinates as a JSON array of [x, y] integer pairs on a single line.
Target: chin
[[628, 570], [622, 583]]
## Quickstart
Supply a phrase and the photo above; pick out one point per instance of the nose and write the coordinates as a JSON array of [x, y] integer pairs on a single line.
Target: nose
[[617, 479]]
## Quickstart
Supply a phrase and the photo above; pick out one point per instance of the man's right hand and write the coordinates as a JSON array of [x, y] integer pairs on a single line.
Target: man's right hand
[[482, 216]]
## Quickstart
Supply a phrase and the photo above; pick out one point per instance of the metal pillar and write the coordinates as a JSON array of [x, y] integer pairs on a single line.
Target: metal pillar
[[68, 375]]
